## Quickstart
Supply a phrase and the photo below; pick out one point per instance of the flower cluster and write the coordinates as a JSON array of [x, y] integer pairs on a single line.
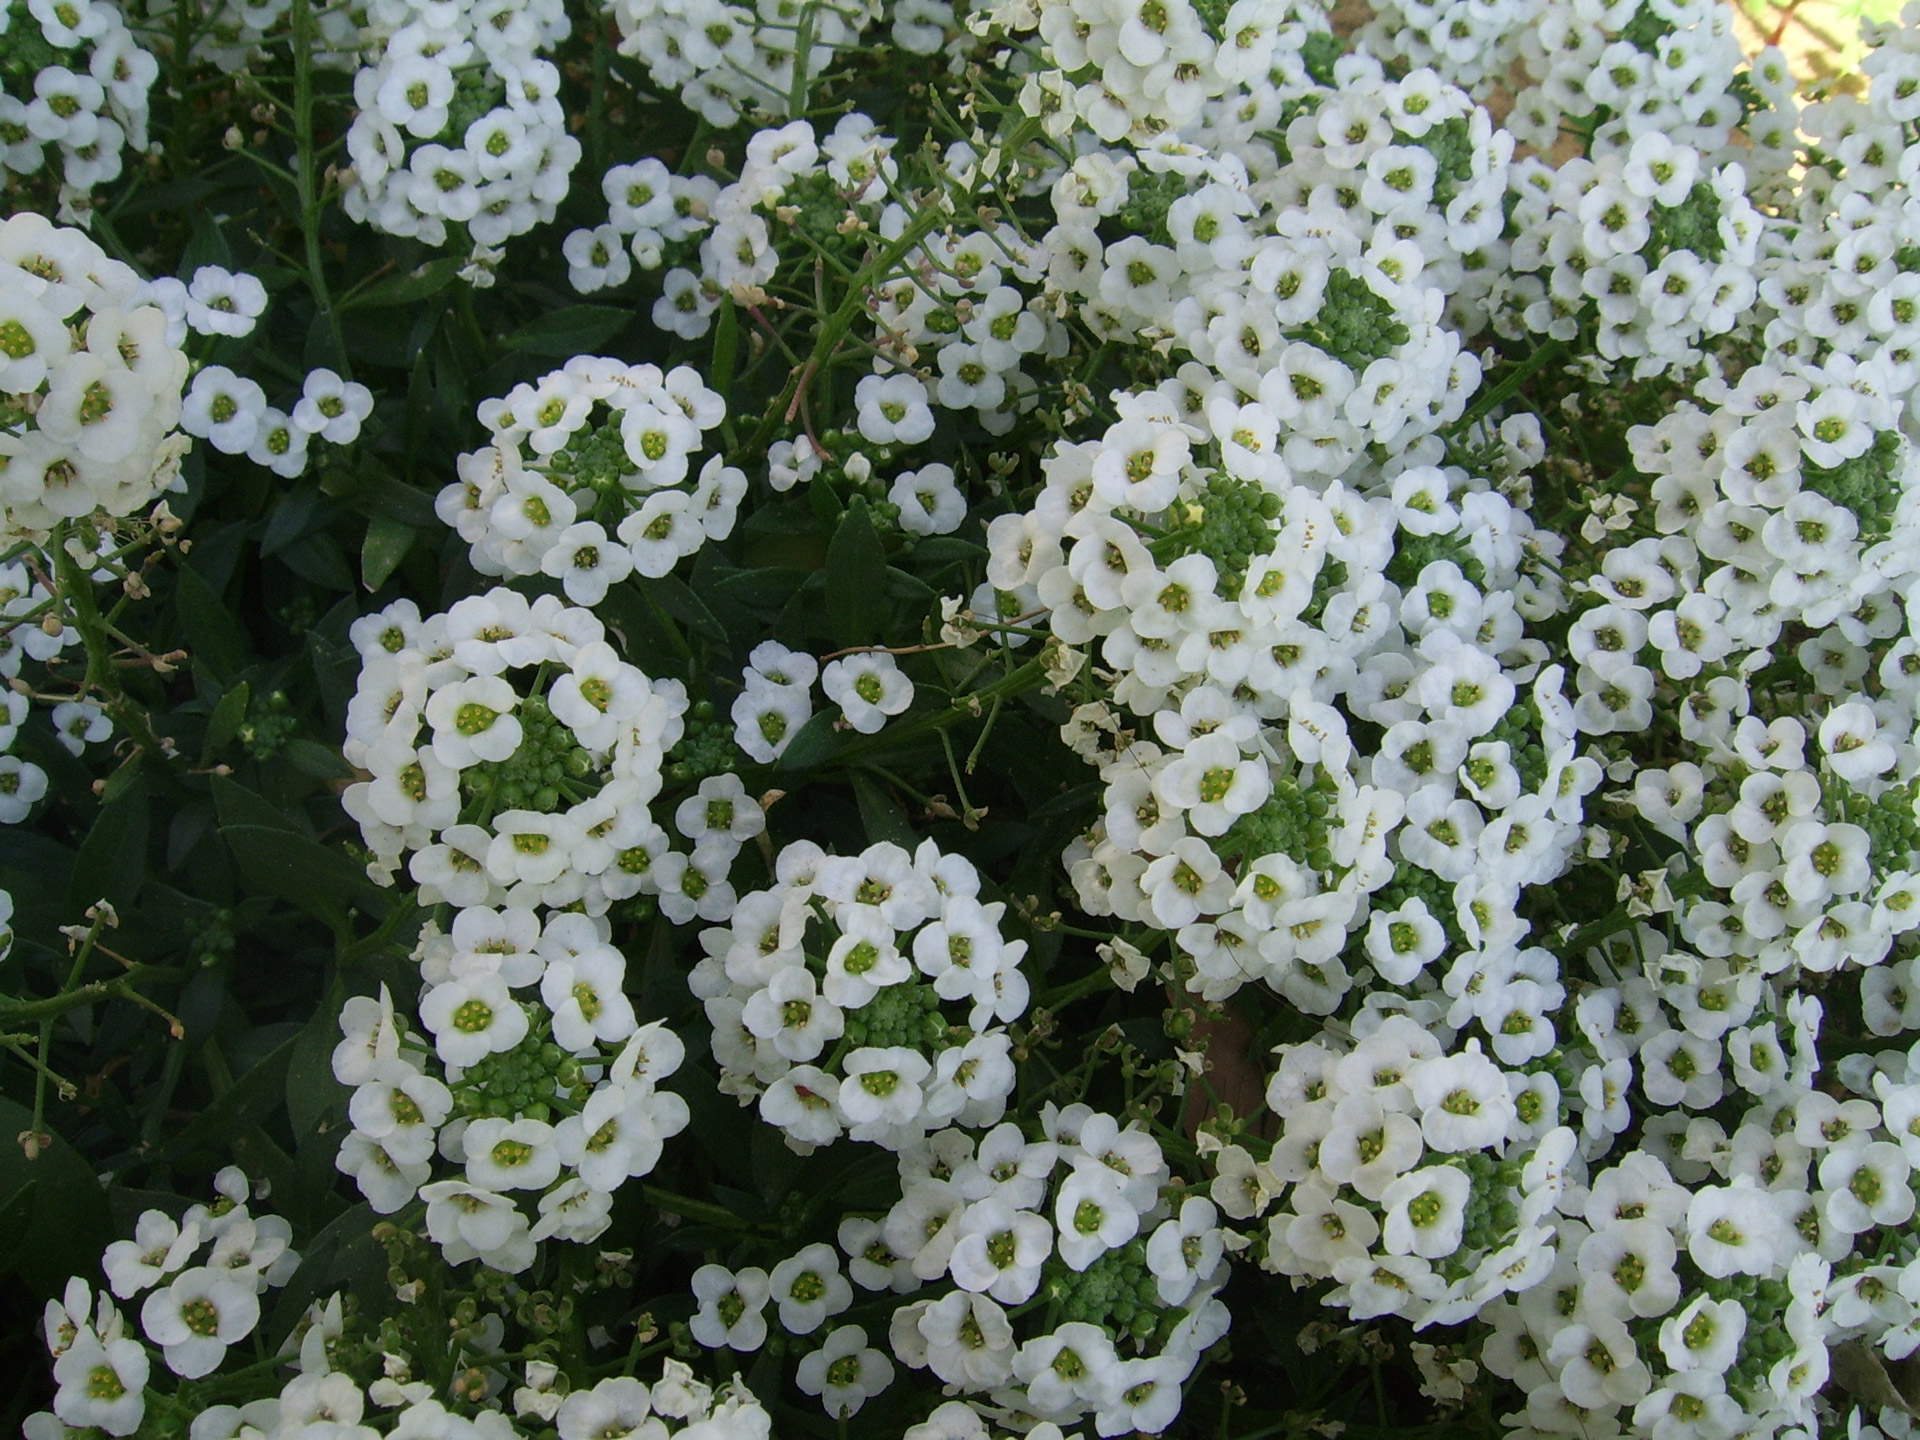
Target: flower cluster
[[865, 995], [557, 1097], [231, 413], [1082, 1216], [510, 748], [589, 477], [202, 1275], [1267, 637], [1617, 71], [1641, 254], [459, 122], [1418, 1178], [90, 382], [73, 82], [725, 60], [105, 1374]]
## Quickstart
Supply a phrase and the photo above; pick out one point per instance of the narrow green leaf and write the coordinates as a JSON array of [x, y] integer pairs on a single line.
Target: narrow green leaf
[[408, 289], [250, 1100], [576, 330], [225, 720], [113, 859], [816, 742], [212, 635], [881, 814], [322, 762], [382, 551], [67, 1206], [319, 880], [857, 579]]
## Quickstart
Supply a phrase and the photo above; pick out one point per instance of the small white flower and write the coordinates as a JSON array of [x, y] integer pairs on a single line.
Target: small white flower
[[869, 688], [845, 1372], [332, 408], [198, 1317], [222, 303]]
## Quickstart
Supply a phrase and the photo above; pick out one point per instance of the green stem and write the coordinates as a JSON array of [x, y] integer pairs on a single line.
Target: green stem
[[692, 1209], [1521, 373], [76, 588], [851, 306], [304, 43]]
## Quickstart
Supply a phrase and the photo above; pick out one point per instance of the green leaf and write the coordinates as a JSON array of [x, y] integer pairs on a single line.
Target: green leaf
[[311, 1088], [382, 551], [815, 743], [225, 720], [249, 1101], [764, 589], [213, 637], [344, 1256], [279, 858], [576, 330], [881, 814], [318, 880], [61, 1193], [856, 579], [373, 490], [113, 859], [674, 596], [319, 558], [408, 289], [322, 762]]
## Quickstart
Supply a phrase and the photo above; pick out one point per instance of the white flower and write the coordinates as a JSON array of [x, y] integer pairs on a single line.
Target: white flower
[[198, 1317], [930, 500], [472, 1017], [999, 1250], [869, 687], [845, 1372], [332, 408], [1425, 1212], [510, 1154], [223, 408], [1704, 1336], [893, 410], [731, 1306], [808, 1287], [221, 303], [158, 1248], [102, 1383], [1093, 1216]]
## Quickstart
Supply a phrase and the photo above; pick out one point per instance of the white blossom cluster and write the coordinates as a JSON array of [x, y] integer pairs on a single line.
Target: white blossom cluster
[[554, 1099], [202, 1276], [1121, 69], [677, 1404], [231, 413], [589, 477], [459, 121], [1465, 42], [1253, 825], [90, 382], [649, 208], [27, 632], [1421, 1178], [75, 87], [726, 60], [1617, 71], [1838, 275], [536, 798], [837, 996], [1662, 247], [103, 1371], [1083, 1213]]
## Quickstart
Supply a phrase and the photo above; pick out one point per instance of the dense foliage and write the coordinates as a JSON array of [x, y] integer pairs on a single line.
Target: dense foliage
[[1145, 729]]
